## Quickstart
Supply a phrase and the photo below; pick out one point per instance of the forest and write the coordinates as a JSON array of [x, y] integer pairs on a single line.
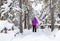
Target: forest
[[17, 21]]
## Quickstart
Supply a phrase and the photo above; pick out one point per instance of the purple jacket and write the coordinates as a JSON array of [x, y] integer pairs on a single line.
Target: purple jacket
[[34, 21]]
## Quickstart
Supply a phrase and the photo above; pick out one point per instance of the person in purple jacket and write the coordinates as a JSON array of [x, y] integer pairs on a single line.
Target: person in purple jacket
[[34, 23]]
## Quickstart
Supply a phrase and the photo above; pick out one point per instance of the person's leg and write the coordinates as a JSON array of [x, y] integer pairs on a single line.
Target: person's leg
[[33, 28]]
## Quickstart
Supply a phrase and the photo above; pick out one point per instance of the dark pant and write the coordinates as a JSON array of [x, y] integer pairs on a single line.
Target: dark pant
[[34, 28]]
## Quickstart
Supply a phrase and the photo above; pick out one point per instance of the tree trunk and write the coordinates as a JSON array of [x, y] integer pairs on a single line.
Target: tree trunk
[[20, 27], [25, 25], [28, 20], [52, 14], [27, 17], [52, 19], [0, 3]]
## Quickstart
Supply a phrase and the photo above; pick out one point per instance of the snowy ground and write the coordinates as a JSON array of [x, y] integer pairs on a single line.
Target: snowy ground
[[28, 35], [40, 35]]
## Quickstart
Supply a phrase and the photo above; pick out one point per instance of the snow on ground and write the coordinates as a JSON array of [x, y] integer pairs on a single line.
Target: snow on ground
[[6, 37], [6, 24], [40, 35], [28, 35]]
